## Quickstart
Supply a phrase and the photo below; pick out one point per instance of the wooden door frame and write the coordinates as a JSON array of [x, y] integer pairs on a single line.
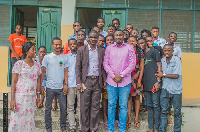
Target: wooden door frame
[[11, 30]]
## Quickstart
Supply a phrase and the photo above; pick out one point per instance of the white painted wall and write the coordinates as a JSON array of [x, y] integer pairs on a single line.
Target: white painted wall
[[68, 12]]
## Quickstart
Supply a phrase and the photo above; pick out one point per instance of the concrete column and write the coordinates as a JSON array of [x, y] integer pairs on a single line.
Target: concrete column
[[68, 17]]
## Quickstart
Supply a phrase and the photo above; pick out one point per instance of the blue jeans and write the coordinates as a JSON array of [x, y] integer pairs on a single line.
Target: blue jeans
[[176, 100], [112, 101], [153, 104]]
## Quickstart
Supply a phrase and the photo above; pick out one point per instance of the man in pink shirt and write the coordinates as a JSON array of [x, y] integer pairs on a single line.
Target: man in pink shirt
[[119, 61]]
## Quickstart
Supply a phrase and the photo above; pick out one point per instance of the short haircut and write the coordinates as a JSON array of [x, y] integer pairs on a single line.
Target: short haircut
[[100, 35], [110, 36], [149, 36], [133, 37], [111, 26], [133, 30], [173, 33], [119, 30], [129, 24], [100, 18], [76, 22], [56, 38], [145, 31], [93, 31], [116, 19], [17, 25], [95, 27], [168, 45], [141, 38], [42, 47], [82, 31], [126, 31], [155, 27], [71, 39]]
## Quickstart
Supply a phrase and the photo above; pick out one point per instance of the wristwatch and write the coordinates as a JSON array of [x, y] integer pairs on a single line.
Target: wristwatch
[[158, 80], [164, 74], [121, 75]]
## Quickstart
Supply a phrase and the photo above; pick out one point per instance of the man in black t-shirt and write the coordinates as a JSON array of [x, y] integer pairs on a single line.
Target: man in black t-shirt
[[150, 42], [151, 83]]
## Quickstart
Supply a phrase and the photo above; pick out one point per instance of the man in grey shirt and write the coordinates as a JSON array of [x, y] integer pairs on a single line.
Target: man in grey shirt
[[171, 89], [55, 66]]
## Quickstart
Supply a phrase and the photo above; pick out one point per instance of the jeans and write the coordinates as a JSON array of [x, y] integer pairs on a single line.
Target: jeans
[[50, 93], [176, 100], [153, 104], [112, 101]]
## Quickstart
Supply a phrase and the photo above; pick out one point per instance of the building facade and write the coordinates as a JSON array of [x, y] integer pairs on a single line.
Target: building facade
[[49, 18]]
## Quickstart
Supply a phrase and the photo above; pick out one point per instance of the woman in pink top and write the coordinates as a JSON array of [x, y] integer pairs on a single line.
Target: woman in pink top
[[25, 86]]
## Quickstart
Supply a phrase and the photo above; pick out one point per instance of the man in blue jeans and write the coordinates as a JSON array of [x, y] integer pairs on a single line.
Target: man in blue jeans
[[119, 61], [171, 88], [151, 84]]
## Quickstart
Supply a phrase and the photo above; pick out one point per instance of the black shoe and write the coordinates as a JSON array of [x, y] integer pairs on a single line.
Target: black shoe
[[73, 130], [49, 130]]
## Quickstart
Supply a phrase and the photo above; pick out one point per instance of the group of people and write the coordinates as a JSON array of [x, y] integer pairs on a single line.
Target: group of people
[[113, 66]]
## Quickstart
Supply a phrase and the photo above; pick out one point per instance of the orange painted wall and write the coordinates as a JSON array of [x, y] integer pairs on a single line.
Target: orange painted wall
[[4, 69], [191, 75], [66, 31]]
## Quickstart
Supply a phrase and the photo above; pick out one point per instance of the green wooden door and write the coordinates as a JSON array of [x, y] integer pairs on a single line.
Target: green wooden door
[[109, 15], [18, 18], [48, 26]]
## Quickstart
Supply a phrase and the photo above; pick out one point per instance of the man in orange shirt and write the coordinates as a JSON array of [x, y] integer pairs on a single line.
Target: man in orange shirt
[[81, 36], [16, 40]]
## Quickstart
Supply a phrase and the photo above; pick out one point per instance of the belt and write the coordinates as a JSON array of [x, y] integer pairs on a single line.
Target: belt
[[92, 77]]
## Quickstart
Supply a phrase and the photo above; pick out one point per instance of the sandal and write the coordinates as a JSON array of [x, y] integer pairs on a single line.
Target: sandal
[[171, 113], [116, 123], [128, 124], [106, 125], [54, 108], [41, 105], [73, 130], [137, 124], [144, 109], [77, 120], [169, 121], [148, 130], [63, 131]]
